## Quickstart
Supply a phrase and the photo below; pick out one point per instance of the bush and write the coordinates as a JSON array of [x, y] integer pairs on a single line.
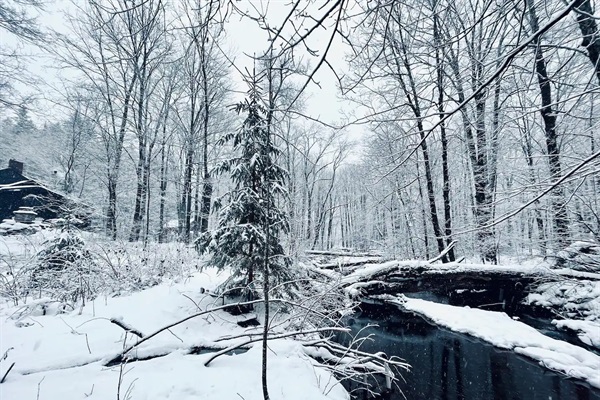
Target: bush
[[69, 266], [66, 270]]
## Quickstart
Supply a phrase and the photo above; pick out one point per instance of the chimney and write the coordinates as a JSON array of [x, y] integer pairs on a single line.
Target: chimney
[[16, 165]]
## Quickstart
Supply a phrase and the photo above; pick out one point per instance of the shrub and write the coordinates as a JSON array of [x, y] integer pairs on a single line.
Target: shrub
[[66, 270]]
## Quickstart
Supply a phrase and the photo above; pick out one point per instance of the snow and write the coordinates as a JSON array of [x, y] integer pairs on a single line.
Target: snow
[[587, 331], [65, 353], [368, 271], [572, 299], [504, 332], [172, 223], [345, 261], [25, 210], [580, 255], [371, 270], [181, 377]]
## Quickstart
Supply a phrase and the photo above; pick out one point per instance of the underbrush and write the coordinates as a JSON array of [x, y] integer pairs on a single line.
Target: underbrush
[[73, 267]]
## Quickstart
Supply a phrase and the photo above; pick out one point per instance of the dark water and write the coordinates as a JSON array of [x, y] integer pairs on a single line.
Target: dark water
[[452, 366]]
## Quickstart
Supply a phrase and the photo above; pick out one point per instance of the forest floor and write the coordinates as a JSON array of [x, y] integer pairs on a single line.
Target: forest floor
[[61, 355]]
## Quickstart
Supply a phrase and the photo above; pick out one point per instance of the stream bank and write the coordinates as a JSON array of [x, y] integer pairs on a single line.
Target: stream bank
[[450, 366]]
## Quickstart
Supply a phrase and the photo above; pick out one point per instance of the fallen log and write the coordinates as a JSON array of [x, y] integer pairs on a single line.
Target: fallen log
[[350, 263], [340, 253]]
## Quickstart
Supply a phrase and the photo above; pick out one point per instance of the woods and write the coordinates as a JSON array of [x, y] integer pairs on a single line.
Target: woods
[[474, 108], [253, 179]]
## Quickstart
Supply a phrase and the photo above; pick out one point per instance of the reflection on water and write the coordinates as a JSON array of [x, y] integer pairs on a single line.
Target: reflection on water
[[450, 366]]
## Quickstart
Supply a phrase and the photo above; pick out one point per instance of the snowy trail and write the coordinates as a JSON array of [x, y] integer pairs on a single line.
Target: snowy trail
[[504, 332]]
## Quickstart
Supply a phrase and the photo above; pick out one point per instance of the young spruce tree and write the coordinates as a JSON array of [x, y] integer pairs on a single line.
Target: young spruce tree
[[247, 238]]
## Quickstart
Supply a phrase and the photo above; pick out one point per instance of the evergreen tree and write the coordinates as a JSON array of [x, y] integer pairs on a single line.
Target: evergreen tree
[[24, 124], [247, 238]]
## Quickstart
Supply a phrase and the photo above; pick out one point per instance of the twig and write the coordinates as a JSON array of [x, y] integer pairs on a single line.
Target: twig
[[443, 253], [126, 327], [39, 385], [181, 321], [280, 336], [192, 300], [171, 332], [9, 368], [90, 393], [6, 353]]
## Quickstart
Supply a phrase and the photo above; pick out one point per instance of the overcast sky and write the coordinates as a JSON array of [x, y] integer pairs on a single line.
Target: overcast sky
[[243, 36]]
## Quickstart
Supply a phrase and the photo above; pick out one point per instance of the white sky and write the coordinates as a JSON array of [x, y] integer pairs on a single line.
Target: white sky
[[243, 36]]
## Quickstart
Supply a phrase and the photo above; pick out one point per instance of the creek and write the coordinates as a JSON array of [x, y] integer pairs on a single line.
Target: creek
[[450, 366]]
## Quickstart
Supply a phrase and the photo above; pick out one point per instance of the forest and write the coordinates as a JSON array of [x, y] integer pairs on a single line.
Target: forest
[[311, 189]]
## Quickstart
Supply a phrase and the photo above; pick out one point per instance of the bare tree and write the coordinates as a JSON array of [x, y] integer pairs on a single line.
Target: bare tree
[[95, 51], [589, 32], [74, 154], [147, 49], [549, 117], [16, 20], [204, 87]]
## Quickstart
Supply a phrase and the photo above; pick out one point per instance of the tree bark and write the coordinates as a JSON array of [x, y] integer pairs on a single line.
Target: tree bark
[[412, 97], [186, 200], [560, 222], [140, 194], [589, 31], [444, 142]]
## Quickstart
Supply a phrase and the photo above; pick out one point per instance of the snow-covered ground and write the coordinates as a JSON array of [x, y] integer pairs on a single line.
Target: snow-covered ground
[[504, 332], [61, 356]]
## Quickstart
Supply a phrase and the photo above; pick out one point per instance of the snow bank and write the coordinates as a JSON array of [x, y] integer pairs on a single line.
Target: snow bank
[[184, 377], [371, 270], [65, 352], [374, 270], [587, 331], [503, 332], [572, 299]]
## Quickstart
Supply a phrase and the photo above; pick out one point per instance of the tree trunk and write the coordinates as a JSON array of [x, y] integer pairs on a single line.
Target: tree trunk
[[187, 195], [412, 97], [589, 31], [136, 226], [560, 222], [196, 220], [207, 187], [330, 225], [477, 149], [111, 212], [424, 220], [483, 211], [444, 142], [309, 212], [147, 197], [163, 194], [527, 149]]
